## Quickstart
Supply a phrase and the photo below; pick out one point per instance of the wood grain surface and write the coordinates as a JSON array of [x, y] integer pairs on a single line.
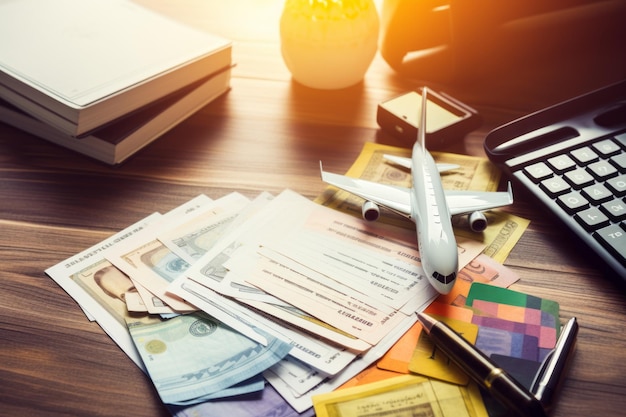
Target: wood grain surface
[[267, 133]]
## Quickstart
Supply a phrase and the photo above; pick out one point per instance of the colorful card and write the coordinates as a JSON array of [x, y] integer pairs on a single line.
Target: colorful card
[[513, 324], [516, 330], [544, 331], [511, 298], [494, 341]]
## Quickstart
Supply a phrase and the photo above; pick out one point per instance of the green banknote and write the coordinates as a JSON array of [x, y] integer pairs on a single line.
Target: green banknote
[[194, 356]]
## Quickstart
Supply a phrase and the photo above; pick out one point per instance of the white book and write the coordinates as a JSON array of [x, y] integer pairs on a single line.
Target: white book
[[115, 142], [78, 64]]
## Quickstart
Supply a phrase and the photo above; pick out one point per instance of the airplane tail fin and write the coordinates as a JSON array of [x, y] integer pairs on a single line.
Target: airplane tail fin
[[421, 129]]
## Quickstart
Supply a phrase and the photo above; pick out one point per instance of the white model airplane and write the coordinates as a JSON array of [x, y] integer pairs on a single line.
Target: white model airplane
[[427, 204]]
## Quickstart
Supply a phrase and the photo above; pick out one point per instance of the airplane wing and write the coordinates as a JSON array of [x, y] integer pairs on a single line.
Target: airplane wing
[[406, 163], [398, 160], [397, 199], [461, 202]]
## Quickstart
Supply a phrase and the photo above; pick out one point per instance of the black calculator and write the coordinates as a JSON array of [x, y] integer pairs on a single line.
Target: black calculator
[[572, 157]]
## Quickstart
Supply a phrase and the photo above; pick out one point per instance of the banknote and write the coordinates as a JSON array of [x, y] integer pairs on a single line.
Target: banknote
[[317, 352], [504, 231], [210, 271], [253, 385], [224, 309], [99, 287], [192, 356], [154, 266], [405, 395], [474, 173], [146, 260], [193, 238]]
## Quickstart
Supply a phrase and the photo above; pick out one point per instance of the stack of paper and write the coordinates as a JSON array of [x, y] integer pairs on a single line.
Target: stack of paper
[[277, 296], [312, 294], [104, 77], [216, 297]]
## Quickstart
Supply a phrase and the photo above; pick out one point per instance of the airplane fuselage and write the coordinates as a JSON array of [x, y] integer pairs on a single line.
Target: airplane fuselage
[[435, 237]]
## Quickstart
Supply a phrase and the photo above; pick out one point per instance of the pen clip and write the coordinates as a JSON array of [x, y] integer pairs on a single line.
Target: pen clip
[[541, 372], [555, 365]]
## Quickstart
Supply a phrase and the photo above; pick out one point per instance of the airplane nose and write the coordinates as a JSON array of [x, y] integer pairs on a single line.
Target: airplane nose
[[444, 279]]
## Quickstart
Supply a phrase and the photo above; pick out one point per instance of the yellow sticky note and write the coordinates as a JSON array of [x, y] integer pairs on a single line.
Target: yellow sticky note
[[429, 361]]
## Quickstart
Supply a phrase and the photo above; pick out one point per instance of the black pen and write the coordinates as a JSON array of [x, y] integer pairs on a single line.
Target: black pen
[[482, 369], [551, 375]]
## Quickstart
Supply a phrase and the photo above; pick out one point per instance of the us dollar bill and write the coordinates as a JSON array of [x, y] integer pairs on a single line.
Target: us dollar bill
[[197, 235], [193, 356]]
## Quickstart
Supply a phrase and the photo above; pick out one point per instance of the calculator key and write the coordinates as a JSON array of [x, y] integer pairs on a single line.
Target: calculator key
[[613, 238], [579, 178], [555, 186], [615, 209], [592, 218], [619, 161], [572, 202], [621, 139], [538, 171], [597, 193], [602, 170], [606, 147], [617, 185], [561, 163], [584, 155]]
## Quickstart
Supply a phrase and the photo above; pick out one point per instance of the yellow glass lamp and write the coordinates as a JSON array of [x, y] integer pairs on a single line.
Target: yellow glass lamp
[[329, 44]]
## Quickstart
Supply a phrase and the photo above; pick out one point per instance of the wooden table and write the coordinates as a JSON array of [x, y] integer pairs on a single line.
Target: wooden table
[[268, 133]]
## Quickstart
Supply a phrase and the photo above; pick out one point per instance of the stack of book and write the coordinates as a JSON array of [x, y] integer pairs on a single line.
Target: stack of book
[[104, 77]]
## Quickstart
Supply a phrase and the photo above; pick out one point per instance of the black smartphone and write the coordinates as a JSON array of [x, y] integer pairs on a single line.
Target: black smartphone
[[447, 119]]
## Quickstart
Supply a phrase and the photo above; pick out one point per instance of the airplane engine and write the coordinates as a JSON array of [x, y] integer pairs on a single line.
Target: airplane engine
[[370, 211], [477, 221]]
